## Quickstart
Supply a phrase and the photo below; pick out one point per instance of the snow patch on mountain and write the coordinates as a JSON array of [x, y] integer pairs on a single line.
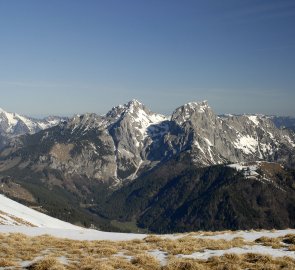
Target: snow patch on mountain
[[248, 170], [254, 119], [289, 140], [247, 144]]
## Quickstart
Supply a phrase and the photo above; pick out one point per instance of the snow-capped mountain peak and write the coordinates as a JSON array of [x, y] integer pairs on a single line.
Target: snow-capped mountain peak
[[13, 124], [16, 124], [137, 111], [134, 102]]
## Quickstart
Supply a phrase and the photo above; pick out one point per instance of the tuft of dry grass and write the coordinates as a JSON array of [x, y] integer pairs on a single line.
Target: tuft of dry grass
[[249, 261], [271, 242], [184, 264], [7, 263], [47, 263], [189, 244], [146, 262], [289, 239]]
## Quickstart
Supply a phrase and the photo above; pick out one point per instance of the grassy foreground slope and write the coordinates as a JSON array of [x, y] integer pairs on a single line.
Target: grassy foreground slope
[[223, 250]]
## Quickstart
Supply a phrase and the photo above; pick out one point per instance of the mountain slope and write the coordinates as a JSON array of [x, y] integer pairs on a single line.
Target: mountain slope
[[179, 197], [13, 213]]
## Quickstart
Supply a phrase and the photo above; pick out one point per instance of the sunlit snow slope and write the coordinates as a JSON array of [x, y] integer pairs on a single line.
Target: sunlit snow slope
[[17, 218], [13, 213]]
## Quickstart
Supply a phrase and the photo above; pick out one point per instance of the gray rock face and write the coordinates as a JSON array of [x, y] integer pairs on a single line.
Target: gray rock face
[[233, 138], [130, 139]]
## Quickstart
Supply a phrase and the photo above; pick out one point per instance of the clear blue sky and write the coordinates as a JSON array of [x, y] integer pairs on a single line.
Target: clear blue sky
[[69, 56]]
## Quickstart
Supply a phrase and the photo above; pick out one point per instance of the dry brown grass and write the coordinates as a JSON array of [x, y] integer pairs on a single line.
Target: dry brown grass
[[184, 264], [289, 239], [271, 242], [108, 255], [146, 262], [47, 263], [7, 263], [232, 262], [188, 244], [15, 220]]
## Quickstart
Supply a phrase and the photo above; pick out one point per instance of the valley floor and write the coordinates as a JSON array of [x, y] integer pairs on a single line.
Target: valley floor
[[43, 248]]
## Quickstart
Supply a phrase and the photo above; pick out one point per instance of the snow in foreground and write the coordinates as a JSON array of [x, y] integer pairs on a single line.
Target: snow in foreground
[[73, 234], [14, 213], [14, 216]]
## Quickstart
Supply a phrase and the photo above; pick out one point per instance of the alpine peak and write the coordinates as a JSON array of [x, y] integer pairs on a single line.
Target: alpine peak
[[134, 102]]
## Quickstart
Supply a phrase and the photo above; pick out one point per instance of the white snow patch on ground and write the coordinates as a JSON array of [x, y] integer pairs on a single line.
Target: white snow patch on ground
[[27, 214], [74, 234], [161, 256], [49, 225]]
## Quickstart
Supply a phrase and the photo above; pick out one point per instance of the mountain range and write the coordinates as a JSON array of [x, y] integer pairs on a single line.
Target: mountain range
[[159, 173], [13, 124]]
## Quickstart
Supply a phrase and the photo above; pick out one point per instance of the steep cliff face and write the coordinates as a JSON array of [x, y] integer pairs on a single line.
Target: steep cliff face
[[215, 140]]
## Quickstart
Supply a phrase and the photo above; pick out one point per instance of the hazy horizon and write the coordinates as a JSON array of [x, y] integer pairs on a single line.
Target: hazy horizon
[[71, 56], [40, 116]]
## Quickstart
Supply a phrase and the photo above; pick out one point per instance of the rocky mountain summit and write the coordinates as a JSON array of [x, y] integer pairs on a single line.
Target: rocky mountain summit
[[130, 139]]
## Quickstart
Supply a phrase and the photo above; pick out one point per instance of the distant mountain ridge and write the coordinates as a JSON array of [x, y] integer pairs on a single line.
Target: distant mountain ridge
[[284, 122], [13, 124], [92, 161], [131, 139]]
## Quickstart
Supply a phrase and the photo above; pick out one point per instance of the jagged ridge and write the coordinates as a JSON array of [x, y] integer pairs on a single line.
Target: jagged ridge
[[131, 139]]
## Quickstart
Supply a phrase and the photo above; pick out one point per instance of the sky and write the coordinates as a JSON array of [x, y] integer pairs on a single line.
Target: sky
[[61, 57]]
